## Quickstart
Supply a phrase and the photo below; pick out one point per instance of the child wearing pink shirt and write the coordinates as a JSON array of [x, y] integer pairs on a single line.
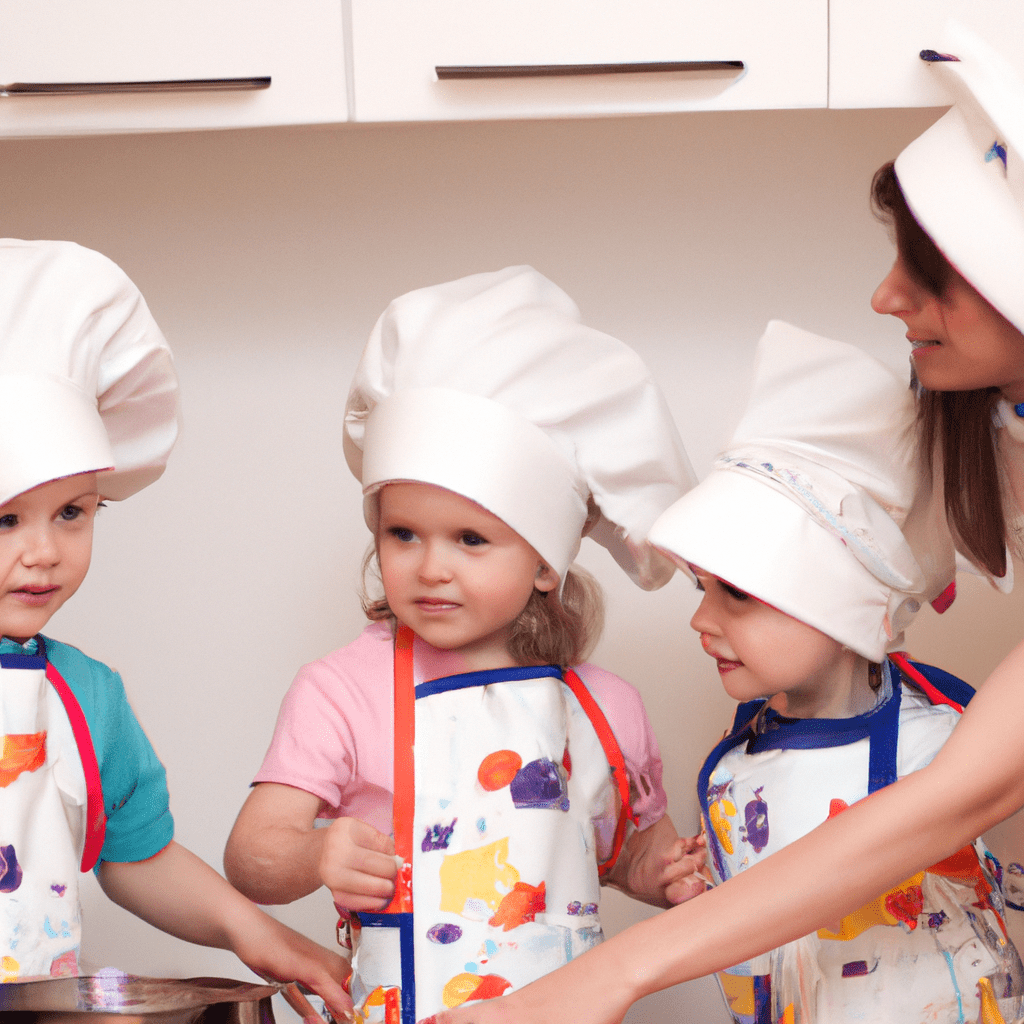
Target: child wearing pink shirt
[[483, 780]]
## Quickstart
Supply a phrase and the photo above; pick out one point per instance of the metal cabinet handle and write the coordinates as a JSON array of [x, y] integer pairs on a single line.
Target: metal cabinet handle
[[100, 88], [458, 71]]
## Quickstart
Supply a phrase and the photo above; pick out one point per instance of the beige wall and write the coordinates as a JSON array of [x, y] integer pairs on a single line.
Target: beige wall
[[266, 257]]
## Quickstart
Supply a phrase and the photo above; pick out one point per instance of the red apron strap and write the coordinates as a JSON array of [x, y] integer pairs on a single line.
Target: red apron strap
[[932, 692], [95, 818], [613, 753], [405, 774]]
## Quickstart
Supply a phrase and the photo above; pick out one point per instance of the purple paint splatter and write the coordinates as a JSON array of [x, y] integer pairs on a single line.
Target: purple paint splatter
[[444, 934], [438, 836], [10, 870], [540, 783], [756, 817]]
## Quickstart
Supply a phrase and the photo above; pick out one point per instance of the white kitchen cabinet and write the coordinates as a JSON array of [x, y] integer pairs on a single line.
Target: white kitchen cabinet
[[874, 46], [78, 66], [464, 59]]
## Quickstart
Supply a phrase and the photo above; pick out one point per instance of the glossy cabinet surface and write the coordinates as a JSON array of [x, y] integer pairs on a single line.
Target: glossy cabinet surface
[[454, 59], [79, 66]]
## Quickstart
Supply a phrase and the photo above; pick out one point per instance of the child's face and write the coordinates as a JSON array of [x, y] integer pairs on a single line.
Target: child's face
[[454, 573], [762, 652], [959, 341], [45, 547]]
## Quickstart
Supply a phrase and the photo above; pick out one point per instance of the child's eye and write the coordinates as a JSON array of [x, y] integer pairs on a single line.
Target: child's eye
[[732, 591], [8, 521], [473, 540], [401, 533], [69, 513], [699, 585]]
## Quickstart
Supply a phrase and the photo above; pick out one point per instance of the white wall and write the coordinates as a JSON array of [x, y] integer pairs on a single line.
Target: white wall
[[266, 257]]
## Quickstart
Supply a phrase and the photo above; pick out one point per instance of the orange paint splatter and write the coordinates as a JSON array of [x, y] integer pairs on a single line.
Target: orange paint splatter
[[393, 1006], [497, 770], [905, 904], [21, 753], [522, 904]]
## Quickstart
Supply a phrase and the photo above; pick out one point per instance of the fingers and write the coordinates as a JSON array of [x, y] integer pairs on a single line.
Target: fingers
[[357, 863]]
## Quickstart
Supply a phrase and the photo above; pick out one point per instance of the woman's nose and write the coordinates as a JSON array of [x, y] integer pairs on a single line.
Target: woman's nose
[[896, 295]]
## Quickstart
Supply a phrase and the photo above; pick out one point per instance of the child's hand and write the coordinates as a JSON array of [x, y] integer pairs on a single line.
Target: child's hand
[[357, 863], [683, 876]]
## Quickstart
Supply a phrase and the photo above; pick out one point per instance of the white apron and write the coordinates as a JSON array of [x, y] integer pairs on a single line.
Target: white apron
[[501, 851], [51, 819]]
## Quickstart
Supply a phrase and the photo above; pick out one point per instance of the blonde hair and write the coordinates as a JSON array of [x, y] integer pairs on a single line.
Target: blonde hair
[[552, 629]]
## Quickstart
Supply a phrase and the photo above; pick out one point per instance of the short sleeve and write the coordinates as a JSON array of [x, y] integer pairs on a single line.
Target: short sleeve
[[627, 716], [135, 796]]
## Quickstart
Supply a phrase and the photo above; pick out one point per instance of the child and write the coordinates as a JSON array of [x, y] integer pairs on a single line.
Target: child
[[815, 540], [89, 411], [490, 430]]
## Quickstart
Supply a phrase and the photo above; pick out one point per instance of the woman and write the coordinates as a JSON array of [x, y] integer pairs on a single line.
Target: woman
[[956, 283]]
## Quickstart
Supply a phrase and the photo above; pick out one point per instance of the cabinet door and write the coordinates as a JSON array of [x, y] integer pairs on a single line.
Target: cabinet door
[[874, 46], [452, 59], [74, 66]]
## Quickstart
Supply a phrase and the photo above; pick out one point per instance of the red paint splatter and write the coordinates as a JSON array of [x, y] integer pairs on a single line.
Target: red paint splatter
[[522, 904]]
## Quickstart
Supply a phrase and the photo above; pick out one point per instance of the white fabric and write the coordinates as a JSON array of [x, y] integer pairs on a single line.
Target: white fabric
[[86, 378], [925, 972], [959, 190], [510, 880], [516, 341], [820, 505], [42, 827]]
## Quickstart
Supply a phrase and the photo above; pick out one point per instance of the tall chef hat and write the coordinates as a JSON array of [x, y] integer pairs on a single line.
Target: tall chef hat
[[86, 377], [820, 505], [963, 179], [491, 387]]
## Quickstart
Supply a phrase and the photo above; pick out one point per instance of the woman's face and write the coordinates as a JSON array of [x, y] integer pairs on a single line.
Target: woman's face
[[960, 342]]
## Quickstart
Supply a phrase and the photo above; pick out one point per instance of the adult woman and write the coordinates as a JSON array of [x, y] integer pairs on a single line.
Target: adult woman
[[964, 311]]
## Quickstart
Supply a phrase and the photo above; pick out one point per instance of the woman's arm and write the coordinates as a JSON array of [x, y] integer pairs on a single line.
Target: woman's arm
[[180, 894], [975, 781]]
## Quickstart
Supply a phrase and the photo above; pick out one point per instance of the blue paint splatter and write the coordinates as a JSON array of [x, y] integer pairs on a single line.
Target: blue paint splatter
[[997, 151], [574, 909]]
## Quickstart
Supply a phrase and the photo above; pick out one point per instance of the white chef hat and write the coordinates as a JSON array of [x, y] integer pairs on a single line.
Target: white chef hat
[[491, 387], [963, 179], [86, 378], [820, 505]]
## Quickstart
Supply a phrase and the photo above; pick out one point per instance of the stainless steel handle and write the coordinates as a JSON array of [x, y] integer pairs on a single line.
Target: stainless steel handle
[[101, 88], [458, 71]]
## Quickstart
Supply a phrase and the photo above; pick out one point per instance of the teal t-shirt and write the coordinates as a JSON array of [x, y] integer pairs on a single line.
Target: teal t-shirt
[[135, 796]]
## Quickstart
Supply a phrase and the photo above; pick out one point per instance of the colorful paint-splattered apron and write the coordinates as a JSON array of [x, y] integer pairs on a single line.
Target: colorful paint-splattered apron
[[51, 818], [933, 948], [498, 827]]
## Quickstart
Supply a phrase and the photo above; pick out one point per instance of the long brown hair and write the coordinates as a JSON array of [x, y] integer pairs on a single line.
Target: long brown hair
[[955, 426], [552, 629]]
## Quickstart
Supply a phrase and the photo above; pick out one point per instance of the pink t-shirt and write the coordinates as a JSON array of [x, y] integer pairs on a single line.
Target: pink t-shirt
[[334, 736]]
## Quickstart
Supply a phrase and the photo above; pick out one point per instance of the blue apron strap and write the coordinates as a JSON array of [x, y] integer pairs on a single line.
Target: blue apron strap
[[884, 735]]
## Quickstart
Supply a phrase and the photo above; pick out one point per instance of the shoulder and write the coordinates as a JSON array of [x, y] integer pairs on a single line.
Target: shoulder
[[621, 703], [929, 711], [91, 681], [352, 667]]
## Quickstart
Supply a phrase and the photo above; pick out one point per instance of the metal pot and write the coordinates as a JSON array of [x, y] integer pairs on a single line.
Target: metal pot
[[110, 997]]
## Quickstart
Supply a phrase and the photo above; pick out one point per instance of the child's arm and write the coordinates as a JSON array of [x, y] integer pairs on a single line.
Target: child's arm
[[180, 894], [659, 867], [275, 855]]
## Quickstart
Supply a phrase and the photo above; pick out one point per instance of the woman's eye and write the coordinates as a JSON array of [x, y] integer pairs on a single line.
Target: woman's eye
[[8, 521], [473, 539]]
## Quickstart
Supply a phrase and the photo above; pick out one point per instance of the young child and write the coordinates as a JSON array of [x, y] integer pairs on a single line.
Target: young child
[[490, 430], [89, 411], [815, 539]]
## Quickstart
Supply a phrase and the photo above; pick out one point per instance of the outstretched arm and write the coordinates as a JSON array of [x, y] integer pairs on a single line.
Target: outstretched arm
[[975, 781], [178, 893]]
